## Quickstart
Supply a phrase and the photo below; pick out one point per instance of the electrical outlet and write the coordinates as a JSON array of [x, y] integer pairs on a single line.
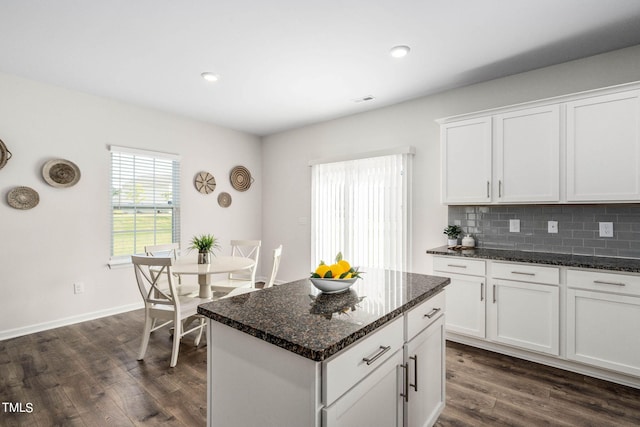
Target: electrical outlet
[[552, 226], [606, 229], [514, 225], [78, 288]]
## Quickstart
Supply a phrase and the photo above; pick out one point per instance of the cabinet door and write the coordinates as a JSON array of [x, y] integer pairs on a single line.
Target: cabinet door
[[465, 305], [374, 401], [525, 315], [425, 355], [602, 330], [528, 155], [603, 148], [466, 161]]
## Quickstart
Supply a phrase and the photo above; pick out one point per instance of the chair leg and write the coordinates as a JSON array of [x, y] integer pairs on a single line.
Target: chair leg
[[177, 335], [148, 324], [199, 337]]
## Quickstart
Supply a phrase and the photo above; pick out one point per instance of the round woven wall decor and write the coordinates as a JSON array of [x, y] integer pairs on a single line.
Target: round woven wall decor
[[61, 173], [224, 200], [23, 198], [5, 154], [240, 178], [204, 182]]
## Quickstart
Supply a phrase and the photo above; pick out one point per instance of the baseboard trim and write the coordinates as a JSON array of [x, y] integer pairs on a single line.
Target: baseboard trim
[[31, 329], [556, 362]]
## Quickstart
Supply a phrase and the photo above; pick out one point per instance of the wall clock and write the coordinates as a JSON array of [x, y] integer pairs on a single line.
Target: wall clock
[[204, 182]]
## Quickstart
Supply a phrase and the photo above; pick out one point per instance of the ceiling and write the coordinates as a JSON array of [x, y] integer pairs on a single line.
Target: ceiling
[[288, 63]]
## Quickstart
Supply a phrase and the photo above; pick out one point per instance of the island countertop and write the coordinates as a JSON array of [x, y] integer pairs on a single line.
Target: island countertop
[[297, 317]]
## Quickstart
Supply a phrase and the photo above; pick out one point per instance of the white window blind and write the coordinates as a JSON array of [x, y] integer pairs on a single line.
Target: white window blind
[[145, 200], [361, 208]]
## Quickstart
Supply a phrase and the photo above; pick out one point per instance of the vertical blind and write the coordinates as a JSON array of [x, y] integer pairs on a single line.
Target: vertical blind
[[360, 208], [145, 200]]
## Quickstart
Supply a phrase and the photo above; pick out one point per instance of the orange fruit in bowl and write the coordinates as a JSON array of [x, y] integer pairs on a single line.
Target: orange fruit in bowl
[[345, 265], [336, 270], [322, 270]]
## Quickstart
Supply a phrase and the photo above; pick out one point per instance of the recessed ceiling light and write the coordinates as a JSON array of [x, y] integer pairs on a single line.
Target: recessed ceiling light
[[210, 77], [399, 51]]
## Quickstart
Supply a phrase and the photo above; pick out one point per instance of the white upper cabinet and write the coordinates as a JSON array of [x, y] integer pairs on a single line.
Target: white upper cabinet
[[466, 161], [579, 148], [528, 155], [603, 148]]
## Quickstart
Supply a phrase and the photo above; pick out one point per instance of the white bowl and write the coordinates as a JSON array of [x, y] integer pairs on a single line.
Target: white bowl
[[332, 286]]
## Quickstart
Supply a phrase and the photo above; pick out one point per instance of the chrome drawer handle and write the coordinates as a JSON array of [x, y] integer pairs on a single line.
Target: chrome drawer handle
[[603, 282], [488, 195], [456, 265], [432, 313], [523, 273], [376, 356], [415, 372], [405, 395]]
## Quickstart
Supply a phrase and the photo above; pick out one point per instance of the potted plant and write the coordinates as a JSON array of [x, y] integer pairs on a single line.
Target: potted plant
[[205, 244], [452, 232]]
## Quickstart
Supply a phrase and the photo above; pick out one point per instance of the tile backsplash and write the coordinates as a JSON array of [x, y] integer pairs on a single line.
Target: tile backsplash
[[578, 228]]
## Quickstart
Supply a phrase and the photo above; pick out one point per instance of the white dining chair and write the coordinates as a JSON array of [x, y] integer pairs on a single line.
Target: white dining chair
[[277, 254], [242, 278], [171, 250], [163, 306], [166, 250]]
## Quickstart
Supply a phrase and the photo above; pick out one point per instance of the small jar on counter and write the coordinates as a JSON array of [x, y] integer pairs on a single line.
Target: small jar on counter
[[468, 241]]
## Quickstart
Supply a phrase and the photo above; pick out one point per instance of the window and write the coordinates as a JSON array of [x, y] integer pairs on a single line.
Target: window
[[361, 208], [145, 200]]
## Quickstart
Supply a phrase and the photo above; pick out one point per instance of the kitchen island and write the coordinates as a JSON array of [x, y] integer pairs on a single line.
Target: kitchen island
[[292, 356]]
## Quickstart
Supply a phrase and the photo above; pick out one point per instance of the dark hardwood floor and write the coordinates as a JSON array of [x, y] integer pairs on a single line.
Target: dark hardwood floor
[[87, 375]]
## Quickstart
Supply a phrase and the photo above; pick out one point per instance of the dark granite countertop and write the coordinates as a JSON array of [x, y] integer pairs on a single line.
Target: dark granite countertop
[[298, 318], [631, 265]]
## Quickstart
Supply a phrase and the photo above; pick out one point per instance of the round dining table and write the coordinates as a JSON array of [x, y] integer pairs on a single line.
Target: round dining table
[[218, 265]]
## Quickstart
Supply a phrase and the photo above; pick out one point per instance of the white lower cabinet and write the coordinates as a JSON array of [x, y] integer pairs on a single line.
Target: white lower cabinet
[[603, 319], [582, 320], [525, 315], [424, 392], [405, 389], [466, 311], [375, 401]]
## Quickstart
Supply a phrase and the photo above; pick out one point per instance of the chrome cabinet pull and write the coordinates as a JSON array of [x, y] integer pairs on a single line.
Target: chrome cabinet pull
[[494, 294], [432, 313], [488, 185], [456, 266], [376, 356], [499, 188], [604, 282], [405, 395], [415, 372], [481, 291], [524, 273]]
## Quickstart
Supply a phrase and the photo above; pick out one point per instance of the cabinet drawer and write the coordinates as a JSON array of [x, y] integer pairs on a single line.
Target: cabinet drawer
[[459, 265], [526, 273], [347, 368], [424, 314], [600, 281]]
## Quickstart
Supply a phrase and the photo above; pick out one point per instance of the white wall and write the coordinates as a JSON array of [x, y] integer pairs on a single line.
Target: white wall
[[287, 178], [66, 238]]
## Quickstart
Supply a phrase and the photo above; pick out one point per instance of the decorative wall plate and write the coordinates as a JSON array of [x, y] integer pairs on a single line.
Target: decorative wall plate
[[5, 154], [61, 173], [23, 198], [224, 199], [204, 182], [240, 178]]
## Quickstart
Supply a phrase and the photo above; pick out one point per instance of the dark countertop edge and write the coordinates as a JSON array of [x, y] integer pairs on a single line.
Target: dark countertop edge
[[629, 265], [321, 355]]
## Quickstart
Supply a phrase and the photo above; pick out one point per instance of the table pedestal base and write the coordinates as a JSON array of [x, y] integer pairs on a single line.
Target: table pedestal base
[[204, 280]]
